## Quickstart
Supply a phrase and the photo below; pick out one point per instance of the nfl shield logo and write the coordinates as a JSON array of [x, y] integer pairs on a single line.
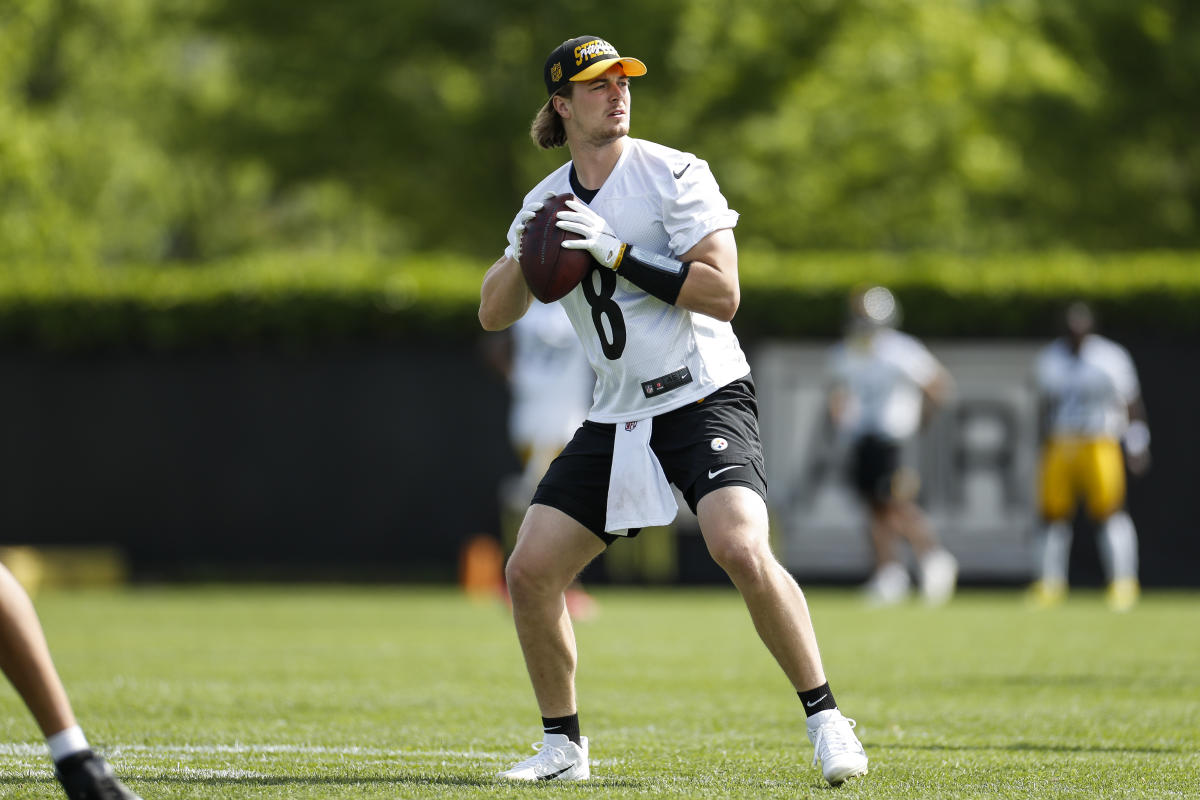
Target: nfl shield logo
[[630, 426]]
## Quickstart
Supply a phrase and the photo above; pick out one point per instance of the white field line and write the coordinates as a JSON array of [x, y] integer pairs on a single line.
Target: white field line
[[26, 749], [114, 751]]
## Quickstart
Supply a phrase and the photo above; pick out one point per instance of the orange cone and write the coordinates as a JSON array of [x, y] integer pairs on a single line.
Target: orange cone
[[481, 566]]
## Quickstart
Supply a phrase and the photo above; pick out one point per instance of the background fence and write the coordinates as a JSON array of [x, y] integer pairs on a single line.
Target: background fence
[[380, 461]]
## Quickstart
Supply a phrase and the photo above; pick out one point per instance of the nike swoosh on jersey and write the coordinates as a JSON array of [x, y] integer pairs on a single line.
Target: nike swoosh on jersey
[[679, 174], [712, 473]]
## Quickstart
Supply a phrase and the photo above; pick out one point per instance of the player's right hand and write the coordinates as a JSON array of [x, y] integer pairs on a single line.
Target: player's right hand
[[527, 212]]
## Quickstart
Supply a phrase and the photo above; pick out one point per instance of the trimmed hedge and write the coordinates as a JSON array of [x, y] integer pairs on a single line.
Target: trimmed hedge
[[985, 296], [312, 300], [266, 300]]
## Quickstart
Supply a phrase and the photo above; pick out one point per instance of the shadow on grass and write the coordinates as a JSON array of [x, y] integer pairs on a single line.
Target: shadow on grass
[[399, 779], [1031, 747]]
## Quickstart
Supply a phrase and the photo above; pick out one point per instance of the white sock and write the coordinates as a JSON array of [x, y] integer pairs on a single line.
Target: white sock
[[66, 743], [1053, 552], [1119, 547]]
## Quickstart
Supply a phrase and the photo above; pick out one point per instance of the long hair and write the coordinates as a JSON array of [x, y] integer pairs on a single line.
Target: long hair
[[547, 130]]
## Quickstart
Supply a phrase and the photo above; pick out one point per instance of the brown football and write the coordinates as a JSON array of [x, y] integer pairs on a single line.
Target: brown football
[[550, 269]]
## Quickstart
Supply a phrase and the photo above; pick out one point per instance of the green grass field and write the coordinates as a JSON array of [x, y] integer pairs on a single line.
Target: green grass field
[[320, 692]]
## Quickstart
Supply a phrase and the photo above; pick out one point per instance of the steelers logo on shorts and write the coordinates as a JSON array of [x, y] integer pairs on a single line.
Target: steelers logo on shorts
[[719, 444]]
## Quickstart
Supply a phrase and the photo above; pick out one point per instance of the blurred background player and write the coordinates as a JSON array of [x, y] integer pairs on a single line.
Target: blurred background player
[[26, 662], [550, 384], [1091, 403], [885, 386]]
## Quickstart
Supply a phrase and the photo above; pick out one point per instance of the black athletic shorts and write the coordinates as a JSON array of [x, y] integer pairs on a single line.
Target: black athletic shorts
[[873, 467], [702, 446]]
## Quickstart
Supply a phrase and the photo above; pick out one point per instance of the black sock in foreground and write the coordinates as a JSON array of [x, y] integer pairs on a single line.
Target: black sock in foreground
[[818, 699], [568, 726]]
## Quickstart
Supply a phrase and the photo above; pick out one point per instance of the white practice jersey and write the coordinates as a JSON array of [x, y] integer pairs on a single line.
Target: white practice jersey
[[883, 374], [550, 379], [650, 357], [1090, 392]]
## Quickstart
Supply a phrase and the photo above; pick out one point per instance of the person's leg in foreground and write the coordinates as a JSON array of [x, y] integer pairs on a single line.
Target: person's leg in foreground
[[734, 523], [552, 549], [26, 662]]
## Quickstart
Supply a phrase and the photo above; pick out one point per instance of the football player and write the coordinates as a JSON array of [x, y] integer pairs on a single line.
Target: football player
[[1091, 411], [674, 400], [885, 386]]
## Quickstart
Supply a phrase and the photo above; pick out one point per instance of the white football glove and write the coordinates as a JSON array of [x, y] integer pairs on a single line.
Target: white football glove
[[527, 212], [598, 236]]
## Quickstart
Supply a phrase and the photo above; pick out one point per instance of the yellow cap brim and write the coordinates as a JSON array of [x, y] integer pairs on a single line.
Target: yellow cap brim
[[633, 68]]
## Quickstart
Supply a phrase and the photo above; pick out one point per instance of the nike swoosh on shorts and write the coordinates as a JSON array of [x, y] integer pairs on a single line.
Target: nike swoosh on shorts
[[712, 473]]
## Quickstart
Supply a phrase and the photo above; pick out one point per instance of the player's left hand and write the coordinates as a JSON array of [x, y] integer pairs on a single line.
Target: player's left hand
[[1139, 463], [1136, 444], [598, 236]]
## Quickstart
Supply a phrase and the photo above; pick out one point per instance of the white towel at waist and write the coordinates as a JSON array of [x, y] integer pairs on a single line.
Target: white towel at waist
[[638, 493]]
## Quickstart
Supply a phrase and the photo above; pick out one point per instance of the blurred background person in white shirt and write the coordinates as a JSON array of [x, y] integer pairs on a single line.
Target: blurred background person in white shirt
[[885, 385]]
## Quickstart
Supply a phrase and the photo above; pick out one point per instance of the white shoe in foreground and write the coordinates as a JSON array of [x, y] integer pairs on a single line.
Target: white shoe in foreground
[[557, 759], [836, 747]]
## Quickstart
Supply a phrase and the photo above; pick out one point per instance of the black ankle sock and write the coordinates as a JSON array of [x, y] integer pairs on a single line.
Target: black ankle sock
[[568, 726], [818, 699]]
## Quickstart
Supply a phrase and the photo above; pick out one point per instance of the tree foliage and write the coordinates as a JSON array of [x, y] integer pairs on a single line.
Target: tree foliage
[[144, 130]]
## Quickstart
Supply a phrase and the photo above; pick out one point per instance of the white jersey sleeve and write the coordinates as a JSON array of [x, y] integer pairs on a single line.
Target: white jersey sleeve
[[909, 356], [695, 208], [1124, 375]]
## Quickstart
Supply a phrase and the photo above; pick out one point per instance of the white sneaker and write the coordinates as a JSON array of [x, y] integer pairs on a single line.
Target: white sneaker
[[939, 576], [557, 759], [836, 747], [888, 586]]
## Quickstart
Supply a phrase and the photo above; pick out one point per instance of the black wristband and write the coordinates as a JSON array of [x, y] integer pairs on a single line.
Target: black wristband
[[660, 276]]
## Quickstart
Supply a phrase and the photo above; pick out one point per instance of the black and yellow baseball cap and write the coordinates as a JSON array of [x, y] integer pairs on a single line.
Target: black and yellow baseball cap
[[584, 58]]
